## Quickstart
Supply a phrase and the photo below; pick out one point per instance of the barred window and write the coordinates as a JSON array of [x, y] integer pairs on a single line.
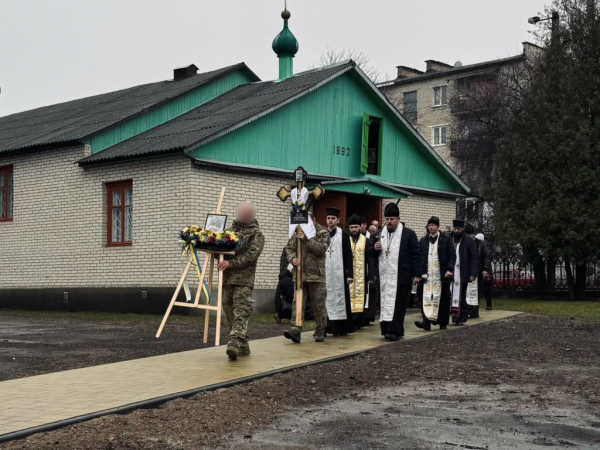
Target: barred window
[[120, 213]]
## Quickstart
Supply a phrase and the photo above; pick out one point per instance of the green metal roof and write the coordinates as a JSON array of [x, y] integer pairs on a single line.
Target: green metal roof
[[365, 187]]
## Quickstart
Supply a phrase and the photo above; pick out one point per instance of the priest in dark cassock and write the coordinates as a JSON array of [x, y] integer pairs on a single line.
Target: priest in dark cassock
[[439, 258], [466, 269], [339, 275], [372, 303], [399, 264], [359, 288]]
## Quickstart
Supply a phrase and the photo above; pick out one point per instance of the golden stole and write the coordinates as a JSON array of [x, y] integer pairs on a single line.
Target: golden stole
[[357, 288]]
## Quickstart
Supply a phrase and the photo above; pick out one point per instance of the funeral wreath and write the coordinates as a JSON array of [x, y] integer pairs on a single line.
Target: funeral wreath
[[203, 239]]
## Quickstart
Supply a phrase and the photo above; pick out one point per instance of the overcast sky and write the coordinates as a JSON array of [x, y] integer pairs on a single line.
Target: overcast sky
[[58, 50]]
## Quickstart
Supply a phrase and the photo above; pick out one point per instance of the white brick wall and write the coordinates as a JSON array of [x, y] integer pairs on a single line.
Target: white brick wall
[[415, 211], [58, 235]]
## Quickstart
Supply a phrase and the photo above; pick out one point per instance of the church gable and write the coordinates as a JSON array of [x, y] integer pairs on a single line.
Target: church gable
[[332, 131]]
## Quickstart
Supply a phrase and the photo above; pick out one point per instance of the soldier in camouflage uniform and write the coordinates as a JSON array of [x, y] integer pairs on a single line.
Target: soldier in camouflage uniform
[[313, 277], [238, 279]]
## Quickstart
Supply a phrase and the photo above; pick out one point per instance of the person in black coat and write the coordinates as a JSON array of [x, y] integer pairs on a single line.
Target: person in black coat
[[404, 254], [447, 259], [468, 261], [371, 312], [284, 295], [485, 279]]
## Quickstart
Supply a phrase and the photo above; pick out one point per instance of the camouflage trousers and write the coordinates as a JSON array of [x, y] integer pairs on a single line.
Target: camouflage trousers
[[238, 308], [317, 292]]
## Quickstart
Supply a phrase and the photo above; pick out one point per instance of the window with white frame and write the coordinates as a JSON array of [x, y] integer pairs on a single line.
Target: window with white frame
[[440, 135], [440, 95]]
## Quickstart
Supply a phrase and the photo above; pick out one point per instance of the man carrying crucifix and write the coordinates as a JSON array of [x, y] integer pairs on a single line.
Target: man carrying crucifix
[[399, 261], [339, 271], [313, 251]]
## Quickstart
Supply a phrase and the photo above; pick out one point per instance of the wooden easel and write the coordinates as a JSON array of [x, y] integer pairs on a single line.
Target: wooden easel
[[211, 255]]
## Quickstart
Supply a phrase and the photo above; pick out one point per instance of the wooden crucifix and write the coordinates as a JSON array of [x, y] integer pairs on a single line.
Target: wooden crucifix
[[298, 216]]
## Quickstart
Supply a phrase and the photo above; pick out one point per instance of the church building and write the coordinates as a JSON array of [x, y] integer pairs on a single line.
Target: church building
[[93, 192]]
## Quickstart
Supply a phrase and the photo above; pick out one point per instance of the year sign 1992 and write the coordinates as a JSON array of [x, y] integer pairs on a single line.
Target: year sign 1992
[[342, 151]]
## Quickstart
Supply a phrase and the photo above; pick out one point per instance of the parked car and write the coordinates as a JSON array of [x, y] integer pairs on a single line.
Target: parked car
[[513, 279]]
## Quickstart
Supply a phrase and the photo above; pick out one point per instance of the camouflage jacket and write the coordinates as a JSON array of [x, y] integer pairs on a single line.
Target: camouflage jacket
[[242, 266], [313, 254]]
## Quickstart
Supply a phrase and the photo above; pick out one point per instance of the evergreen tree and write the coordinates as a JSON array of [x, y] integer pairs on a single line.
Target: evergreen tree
[[547, 171]]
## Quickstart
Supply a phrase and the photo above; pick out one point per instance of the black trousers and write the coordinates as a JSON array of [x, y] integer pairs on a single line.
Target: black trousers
[[463, 315], [396, 326], [444, 309], [488, 297]]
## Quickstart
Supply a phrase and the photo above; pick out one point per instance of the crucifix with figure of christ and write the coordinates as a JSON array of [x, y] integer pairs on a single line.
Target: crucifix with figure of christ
[[299, 216]]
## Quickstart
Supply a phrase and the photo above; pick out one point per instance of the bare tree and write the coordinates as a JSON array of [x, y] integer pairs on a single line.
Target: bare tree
[[483, 105], [334, 55]]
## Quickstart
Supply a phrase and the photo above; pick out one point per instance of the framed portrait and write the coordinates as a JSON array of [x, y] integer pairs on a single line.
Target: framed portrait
[[215, 222]]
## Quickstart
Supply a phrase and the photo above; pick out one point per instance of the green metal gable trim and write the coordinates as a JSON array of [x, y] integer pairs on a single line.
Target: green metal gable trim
[[365, 187], [168, 110], [310, 128]]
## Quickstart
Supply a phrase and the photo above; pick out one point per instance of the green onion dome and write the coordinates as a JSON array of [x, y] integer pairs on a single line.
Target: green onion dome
[[285, 44]]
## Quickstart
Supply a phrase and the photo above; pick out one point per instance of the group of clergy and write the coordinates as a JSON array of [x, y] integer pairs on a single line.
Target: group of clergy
[[377, 272]]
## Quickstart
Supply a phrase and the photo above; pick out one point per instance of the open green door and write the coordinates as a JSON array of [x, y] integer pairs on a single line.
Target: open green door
[[364, 151]]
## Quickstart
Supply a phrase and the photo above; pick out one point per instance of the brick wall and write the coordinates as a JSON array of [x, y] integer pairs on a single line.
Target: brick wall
[[428, 115], [415, 211], [58, 235]]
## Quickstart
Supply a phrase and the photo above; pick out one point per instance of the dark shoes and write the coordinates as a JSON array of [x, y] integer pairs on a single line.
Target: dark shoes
[[459, 324], [423, 326], [319, 338], [293, 335], [489, 308], [392, 337], [443, 327], [233, 352], [244, 351]]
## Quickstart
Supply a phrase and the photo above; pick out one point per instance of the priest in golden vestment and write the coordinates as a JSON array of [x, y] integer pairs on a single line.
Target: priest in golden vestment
[[359, 286]]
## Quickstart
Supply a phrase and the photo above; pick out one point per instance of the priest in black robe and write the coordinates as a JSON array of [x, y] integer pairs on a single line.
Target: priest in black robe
[[399, 264], [439, 257], [465, 271], [339, 275]]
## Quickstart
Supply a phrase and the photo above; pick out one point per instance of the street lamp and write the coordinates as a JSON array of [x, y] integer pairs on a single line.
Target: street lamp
[[554, 18]]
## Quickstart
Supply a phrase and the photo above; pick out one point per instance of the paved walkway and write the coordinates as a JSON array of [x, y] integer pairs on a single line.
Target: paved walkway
[[32, 404]]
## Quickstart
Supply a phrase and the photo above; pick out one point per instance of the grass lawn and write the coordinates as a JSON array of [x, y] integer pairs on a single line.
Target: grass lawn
[[560, 308]]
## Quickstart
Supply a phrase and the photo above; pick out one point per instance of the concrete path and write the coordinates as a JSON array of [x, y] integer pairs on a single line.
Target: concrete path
[[39, 403]]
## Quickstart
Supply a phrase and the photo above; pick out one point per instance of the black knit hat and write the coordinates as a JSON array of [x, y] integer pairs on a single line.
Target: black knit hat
[[434, 220]]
